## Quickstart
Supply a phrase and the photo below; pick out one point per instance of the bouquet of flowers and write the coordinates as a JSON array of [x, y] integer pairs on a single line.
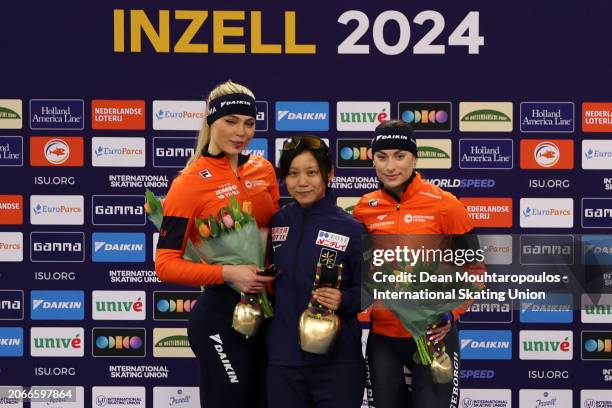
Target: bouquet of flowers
[[232, 238], [419, 315]]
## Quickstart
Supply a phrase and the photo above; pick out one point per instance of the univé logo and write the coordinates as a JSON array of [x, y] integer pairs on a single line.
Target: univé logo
[[56, 341], [118, 305], [361, 116], [546, 344]]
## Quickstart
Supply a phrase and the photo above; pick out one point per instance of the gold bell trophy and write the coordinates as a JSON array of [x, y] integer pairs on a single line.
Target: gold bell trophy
[[319, 325]]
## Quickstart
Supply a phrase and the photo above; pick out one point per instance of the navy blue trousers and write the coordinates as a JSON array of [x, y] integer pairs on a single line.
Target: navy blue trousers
[[316, 386]]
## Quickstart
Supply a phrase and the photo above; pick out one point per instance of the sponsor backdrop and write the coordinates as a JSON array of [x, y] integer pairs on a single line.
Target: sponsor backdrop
[[513, 112]]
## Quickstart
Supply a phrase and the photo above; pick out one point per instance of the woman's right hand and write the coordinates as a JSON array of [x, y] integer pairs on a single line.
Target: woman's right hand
[[245, 278]]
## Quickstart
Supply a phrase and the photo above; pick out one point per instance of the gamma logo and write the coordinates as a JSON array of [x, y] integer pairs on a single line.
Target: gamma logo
[[11, 114], [427, 116], [174, 305], [57, 304], [597, 213], [118, 247], [56, 151], [118, 342], [485, 116], [56, 342], [547, 249], [11, 151], [172, 152], [118, 210], [11, 304], [11, 342], [596, 345], [483, 311], [486, 344], [57, 246], [302, 116]]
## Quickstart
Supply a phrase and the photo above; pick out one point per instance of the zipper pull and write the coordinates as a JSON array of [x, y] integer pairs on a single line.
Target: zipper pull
[[397, 207]]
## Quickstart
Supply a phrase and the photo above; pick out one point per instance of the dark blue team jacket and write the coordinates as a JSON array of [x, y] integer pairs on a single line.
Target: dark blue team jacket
[[300, 238]]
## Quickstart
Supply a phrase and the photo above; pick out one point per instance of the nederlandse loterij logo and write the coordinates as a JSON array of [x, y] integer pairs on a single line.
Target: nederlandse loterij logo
[[434, 153], [11, 114], [118, 114], [485, 116]]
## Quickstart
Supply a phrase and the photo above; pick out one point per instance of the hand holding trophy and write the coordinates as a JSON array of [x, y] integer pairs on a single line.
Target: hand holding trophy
[[319, 325]]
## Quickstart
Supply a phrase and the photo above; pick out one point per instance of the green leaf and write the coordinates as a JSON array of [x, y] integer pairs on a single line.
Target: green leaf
[[153, 201]]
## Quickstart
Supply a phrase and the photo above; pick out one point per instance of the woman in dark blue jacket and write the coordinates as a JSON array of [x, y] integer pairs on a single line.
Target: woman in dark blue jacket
[[311, 230]]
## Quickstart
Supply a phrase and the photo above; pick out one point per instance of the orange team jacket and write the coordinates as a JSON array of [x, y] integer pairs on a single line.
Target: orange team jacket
[[422, 209], [202, 190]]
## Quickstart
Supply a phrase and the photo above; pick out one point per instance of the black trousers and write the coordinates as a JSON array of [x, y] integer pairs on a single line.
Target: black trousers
[[387, 357], [316, 386], [232, 367]]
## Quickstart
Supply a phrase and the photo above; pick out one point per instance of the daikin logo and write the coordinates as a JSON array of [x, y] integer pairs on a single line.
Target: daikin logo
[[486, 344], [57, 304], [118, 247], [302, 116], [11, 341]]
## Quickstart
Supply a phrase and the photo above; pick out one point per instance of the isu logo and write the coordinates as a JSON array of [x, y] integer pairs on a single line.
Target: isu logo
[[56, 151]]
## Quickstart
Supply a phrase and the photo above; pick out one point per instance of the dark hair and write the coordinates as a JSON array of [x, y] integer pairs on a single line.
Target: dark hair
[[321, 155], [394, 123]]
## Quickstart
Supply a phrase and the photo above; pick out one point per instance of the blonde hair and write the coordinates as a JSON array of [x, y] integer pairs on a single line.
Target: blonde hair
[[225, 88]]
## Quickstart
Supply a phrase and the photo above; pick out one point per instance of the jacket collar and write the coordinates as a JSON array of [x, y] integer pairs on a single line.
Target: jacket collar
[[408, 187], [242, 158], [320, 207]]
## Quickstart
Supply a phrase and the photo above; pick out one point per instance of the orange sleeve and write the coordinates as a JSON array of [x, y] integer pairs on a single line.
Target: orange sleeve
[[273, 187], [358, 211], [180, 208]]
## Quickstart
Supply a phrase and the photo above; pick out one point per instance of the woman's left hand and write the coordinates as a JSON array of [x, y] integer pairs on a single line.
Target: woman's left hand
[[329, 297], [439, 332]]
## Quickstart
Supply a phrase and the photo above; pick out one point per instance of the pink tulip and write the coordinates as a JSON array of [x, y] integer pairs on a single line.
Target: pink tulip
[[227, 220]]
